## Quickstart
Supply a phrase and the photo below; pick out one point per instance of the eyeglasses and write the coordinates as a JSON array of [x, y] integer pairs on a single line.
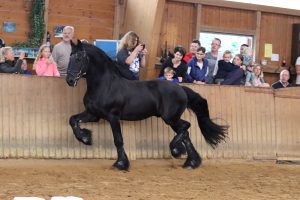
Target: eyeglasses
[[200, 54]]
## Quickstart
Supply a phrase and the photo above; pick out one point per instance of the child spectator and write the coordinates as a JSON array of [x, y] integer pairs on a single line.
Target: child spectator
[[44, 64], [169, 75], [197, 68], [26, 71], [230, 73]]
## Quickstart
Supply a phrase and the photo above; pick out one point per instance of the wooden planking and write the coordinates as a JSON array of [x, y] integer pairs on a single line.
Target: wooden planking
[[21, 11], [228, 18], [178, 26], [277, 30], [91, 19], [263, 123]]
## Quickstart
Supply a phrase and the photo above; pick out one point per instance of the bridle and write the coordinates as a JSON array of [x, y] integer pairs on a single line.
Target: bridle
[[84, 61]]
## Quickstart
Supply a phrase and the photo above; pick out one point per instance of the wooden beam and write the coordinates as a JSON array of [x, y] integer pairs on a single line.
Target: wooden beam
[[46, 14], [120, 10], [198, 19], [227, 30], [257, 35], [244, 6]]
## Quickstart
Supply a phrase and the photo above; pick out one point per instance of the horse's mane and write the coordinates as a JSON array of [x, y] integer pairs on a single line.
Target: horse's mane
[[113, 65]]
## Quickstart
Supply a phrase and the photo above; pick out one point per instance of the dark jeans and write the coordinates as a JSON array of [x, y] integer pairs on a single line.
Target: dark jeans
[[234, 78]]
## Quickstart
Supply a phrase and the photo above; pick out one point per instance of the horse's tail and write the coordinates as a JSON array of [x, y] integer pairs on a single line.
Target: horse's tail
[[212, 132]]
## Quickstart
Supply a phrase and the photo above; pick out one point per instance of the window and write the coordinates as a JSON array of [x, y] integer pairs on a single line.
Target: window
[[230, 42]]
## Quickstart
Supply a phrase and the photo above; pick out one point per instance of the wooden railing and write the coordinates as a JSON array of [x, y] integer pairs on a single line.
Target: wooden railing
[[34, 114]]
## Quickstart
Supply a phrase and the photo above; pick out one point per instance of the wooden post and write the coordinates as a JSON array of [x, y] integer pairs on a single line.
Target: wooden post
[[257, 35], [198, 19]]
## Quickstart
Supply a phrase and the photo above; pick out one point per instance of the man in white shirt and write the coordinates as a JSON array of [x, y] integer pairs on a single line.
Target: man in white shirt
[[297, 65]]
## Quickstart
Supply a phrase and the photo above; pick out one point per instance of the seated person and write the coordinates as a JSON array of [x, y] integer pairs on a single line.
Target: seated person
[[26, 71], [169, 75], [197, 68], [255, 79], [176, 63], [283, 81], [9, 65], [230, 73]]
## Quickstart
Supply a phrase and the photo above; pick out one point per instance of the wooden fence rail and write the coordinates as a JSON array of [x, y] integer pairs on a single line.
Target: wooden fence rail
[[34, 114]]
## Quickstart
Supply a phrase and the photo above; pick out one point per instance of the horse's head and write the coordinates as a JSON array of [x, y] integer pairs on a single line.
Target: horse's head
[[78, 64]]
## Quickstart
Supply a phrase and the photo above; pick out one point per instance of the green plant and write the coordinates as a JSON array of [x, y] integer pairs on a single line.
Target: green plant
[[37, 25]]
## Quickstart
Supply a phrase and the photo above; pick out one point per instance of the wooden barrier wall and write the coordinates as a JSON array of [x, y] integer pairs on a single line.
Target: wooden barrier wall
[[34, 114]]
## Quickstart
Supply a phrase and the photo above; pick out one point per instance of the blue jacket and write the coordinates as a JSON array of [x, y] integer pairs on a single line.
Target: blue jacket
[[194, 71]]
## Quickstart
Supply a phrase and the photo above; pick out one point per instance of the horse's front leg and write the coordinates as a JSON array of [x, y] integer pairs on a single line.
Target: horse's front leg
[[122, 162], [82, 135]]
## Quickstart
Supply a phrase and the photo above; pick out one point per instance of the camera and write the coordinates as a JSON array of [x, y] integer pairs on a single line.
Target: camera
[[143, 46]]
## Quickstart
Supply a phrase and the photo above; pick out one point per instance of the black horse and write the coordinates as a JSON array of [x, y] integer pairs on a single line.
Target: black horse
[[112, 97]]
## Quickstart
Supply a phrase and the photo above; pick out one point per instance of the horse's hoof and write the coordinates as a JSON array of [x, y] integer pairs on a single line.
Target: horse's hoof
[[121, 165], [178, 150], [192, 163], [86, 136]]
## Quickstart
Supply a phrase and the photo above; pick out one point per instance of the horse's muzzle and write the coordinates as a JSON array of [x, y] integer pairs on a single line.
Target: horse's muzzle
[[71, 81]]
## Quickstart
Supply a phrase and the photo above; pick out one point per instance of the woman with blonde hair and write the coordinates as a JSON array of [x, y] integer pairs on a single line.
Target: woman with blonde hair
[[9, 65], [44, 64], [131, 54], [255, 78]]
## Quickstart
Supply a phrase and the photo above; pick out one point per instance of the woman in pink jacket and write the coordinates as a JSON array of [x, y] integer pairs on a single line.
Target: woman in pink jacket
[[44, 64]]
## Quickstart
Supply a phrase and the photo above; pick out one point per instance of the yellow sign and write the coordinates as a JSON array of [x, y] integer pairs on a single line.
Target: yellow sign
[[268, 50]]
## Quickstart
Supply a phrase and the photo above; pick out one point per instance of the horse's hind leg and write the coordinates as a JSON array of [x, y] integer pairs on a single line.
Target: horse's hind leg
[[193, 160], [82, 135], [181, 128]]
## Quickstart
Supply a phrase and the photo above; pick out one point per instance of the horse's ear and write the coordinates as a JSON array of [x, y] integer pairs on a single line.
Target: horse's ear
[[79, 45], [73, 46]]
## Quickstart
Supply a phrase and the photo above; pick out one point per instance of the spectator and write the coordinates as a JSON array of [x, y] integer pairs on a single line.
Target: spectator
[[283, 81], [131, 54], [9, 65], [197, 68], [255, 79], [243, 47], [62, 51], [230, 73], [193, 49], [213, 57], [44, 64], [2, 43], [297, 66], [177, 64], [26, 71], [169, 75]]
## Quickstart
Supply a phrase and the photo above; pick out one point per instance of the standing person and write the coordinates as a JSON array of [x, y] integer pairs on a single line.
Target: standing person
[[9, 64], [44, 64], [131, 54], [283, 81], [197, 68], [195, 44], [297, 66], [62, 51], [177, 64], [213, 57]]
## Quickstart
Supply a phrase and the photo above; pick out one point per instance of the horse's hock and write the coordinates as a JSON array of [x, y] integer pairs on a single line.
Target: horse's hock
[[35, 113]]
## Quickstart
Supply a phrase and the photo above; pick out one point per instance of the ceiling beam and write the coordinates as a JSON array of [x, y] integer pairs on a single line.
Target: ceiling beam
[[243, 6]]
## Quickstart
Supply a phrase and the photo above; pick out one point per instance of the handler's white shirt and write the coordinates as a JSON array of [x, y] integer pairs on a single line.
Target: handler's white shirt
[[298, 75]]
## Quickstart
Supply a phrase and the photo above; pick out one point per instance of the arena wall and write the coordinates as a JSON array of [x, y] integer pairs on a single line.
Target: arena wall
[[34, 114]]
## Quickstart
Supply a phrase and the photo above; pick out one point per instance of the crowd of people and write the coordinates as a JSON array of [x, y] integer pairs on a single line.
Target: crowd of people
[[197, 66]]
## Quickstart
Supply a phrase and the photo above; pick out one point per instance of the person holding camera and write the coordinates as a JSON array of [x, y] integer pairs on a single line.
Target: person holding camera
[[8, 63], [131, 55]]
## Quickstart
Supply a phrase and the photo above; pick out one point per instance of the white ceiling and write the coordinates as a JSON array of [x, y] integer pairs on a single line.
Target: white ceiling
[[291, 4]]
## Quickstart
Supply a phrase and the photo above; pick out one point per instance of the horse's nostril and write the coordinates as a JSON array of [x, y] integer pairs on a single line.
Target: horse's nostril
[[70, 81]]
